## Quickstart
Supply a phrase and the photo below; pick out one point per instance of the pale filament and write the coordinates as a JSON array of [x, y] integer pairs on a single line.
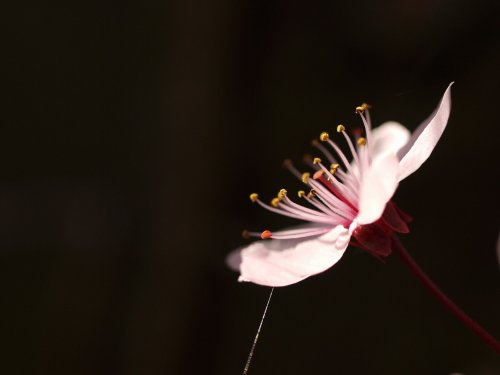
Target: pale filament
[[305, 209], [343, 189], [351, 147], [299, 233], [324, 151], [344, 159], [325, 219]]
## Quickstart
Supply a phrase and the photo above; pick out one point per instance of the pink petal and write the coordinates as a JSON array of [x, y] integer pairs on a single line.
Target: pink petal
[[233, 260], [388, 138], [425, 138], [377, 187], [285, 262]]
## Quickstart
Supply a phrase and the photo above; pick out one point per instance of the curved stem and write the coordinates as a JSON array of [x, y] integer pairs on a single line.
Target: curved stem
[[443, 298]]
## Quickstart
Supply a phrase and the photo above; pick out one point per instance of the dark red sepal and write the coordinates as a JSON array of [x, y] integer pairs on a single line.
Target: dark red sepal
[[374, 239], [393, 219], [407, 218]]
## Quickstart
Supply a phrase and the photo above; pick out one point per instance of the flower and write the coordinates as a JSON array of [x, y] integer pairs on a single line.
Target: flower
[[348, 203]]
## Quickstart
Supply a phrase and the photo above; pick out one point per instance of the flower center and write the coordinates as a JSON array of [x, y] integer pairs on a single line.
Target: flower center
[[334, 195], [376, 238]]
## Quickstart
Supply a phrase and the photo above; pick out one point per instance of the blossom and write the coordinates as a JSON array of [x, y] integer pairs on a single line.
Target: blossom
[[348, 202]]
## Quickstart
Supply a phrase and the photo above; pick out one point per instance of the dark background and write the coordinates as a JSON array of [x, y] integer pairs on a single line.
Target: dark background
[[132, 133]]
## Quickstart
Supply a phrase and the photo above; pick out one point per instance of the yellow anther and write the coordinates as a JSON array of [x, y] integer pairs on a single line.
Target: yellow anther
[[301, 193], [305, 177], [340, 128], [275, 202], [311, 194], [363, 107], [316, 160], [361, 141], [324, 136], [254, 197], [282, 193], [245, 234], [333, 168]]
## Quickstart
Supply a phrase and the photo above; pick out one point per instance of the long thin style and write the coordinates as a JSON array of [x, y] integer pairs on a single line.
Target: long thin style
[[443, 298], [250, 355]]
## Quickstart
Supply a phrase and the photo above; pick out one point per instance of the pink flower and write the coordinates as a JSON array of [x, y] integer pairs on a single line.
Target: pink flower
[[348, 203]]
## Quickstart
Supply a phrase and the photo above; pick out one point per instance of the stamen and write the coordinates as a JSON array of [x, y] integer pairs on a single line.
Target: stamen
[[344, 189], [287, 163], [363, 107], [343, 178], [311, 198], [316, 160], [254, 197], [301, 193], [361, 141], [275, 202], [293, 207], [324, 136], [305, 177], [300, 233], [265, 235], [331, 200], [347, 180], [349, 142], [366, 124], [325, 219], [338, 195], [323, 150], [247, 234], [282, 193], [344, 160]]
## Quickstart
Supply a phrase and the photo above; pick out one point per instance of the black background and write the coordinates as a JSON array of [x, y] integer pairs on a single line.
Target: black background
[[132, 133]]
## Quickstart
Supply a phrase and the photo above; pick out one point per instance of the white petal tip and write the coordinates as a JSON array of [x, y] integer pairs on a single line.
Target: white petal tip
[[425, 137], [233, 260]]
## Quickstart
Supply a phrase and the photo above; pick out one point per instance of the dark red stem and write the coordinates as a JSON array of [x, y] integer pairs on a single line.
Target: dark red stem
[[443, 298]]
